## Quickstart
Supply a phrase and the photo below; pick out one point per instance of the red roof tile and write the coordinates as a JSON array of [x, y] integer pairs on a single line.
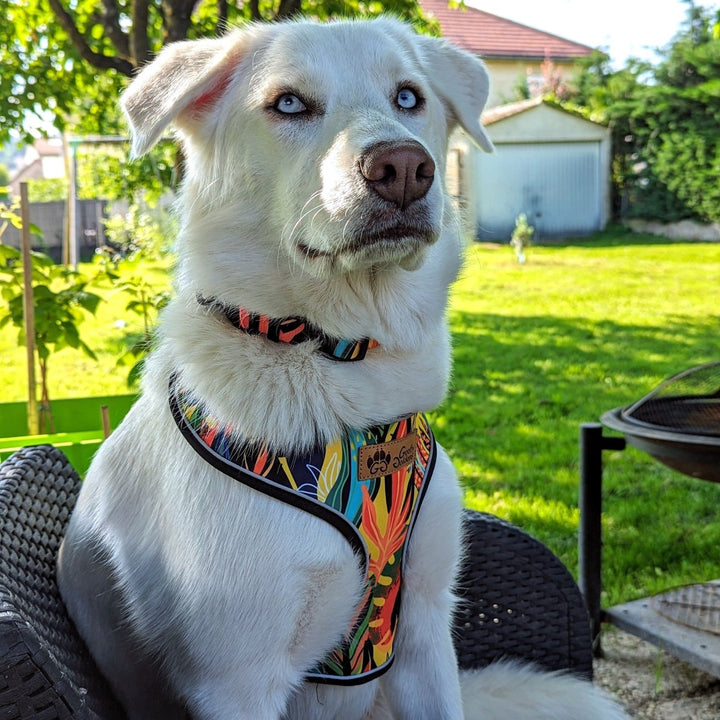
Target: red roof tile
[[494, 37], [48, 146]]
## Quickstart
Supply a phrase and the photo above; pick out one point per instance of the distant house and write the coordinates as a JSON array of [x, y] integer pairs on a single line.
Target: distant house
[[42, 160], [45, 160], [514, 53], [549, 164]]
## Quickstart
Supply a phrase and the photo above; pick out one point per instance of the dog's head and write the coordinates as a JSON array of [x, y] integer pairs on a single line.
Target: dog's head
[[329, 141]]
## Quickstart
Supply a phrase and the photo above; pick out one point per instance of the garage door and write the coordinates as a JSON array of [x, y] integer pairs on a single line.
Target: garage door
[[557, 185]]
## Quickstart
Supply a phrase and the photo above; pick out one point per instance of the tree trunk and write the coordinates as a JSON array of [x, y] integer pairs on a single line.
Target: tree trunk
[[288, 8], [222, 24], [139, 44], [177, 14], [98, 60], [47, 422]]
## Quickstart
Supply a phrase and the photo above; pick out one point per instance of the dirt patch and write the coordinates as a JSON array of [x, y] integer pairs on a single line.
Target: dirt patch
[[653, 685]]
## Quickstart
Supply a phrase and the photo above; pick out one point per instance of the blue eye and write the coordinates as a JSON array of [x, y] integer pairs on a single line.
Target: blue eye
[[407, 99], [290, 104]]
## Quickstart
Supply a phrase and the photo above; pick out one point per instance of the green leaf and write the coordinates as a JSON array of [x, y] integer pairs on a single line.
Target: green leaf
[[8, 253], [97, 32], [72, 336], [87, 350], [88, 301], [41, 260], [136, 306], [135, 374]]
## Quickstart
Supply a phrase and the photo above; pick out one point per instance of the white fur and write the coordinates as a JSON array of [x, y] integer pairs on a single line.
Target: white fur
[[192, 590], [508, 690]]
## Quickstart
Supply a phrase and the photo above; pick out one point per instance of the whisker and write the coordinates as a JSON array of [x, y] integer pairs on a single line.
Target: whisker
[[303, 214]]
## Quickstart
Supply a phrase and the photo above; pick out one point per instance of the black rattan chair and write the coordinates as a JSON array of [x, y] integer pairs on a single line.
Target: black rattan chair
[[518, 600], [45, 671]]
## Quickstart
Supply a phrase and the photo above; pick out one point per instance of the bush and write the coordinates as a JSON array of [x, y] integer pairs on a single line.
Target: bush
[[664, 120], [61, 301]]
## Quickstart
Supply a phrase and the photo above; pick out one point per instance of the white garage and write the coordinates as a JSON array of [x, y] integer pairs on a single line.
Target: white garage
[[549, 163]]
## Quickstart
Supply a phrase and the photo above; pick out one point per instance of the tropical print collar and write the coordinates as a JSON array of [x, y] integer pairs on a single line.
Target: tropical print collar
[[368, 484], [292, 330]]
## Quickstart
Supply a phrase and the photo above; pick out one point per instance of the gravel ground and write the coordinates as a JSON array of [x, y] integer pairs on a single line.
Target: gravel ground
[[653, 685]]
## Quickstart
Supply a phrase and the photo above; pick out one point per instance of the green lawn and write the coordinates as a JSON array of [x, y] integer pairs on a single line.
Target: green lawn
[[540, 348]]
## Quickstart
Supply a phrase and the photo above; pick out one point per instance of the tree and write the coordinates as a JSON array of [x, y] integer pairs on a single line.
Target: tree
[[664, 121], [69, 59], [608, 96], [61, 303]]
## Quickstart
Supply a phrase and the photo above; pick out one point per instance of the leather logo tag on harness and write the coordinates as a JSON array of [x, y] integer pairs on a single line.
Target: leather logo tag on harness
[[386, 458]]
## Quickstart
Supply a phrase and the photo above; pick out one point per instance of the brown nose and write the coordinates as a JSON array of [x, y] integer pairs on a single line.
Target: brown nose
[[398, 172]]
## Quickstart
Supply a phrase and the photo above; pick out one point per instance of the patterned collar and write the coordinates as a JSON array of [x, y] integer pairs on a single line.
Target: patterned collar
[[292, 330]]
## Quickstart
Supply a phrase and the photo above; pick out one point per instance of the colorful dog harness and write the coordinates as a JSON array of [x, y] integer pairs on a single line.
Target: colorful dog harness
[[368, 484]]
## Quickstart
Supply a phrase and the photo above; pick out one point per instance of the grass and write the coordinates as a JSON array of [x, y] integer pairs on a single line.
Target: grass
[[543, 347], [540, 348]]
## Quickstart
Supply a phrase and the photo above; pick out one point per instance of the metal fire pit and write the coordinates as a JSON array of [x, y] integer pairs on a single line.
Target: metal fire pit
[[695, 455], [678, 423]]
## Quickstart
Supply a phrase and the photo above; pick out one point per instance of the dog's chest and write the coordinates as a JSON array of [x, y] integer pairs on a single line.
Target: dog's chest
[[368, 484]]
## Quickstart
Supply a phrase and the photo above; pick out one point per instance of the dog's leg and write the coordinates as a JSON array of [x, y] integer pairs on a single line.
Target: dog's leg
[[91, 591], [316, 701], [423, 681]]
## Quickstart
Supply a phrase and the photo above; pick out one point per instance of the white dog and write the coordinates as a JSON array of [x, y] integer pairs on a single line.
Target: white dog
[[239, 542]]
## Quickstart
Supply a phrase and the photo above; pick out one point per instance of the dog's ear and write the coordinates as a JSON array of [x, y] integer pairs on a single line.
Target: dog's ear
[[461, 80], [180, 85]]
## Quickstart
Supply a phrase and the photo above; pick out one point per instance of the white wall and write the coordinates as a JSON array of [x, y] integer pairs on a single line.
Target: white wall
[[505, 75]]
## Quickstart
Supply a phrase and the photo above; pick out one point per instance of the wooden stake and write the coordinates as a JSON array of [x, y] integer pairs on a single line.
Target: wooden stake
[[28, 312], [105, 413], [67, 226], [73, 254]]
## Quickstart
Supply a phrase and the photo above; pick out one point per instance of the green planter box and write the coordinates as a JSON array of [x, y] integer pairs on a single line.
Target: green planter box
[[78, 425]]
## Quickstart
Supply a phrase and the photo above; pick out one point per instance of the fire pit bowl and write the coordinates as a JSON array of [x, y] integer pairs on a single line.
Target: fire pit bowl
[[678, 423]]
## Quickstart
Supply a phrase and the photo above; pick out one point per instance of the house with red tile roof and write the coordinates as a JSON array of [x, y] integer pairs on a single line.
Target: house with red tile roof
[[514, 53], [549, 164]]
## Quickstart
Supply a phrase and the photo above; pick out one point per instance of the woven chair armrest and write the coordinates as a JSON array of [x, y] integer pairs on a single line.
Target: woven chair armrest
[[46, 673], [517, 600]]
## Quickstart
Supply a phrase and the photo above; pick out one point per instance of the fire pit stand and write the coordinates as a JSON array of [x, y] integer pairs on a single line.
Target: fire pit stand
[[678, 425]]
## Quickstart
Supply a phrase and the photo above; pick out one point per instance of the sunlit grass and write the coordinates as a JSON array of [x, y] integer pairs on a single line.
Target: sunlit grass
[[541, 348]]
